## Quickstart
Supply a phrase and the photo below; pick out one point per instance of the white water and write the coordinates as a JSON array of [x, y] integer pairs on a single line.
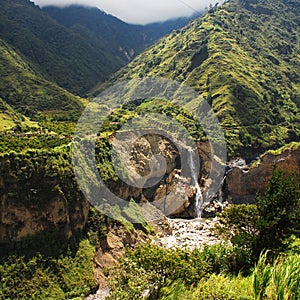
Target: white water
[[194, 174], [188, 234]]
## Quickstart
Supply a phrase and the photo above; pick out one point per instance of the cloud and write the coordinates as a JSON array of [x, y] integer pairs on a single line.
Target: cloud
[[139, 11]]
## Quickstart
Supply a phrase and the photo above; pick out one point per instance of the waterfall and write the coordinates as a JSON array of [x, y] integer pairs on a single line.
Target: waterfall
[[194, 174]]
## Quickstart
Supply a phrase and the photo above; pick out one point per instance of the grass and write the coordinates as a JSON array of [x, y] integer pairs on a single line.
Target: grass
[[279, 280], [250, 76]]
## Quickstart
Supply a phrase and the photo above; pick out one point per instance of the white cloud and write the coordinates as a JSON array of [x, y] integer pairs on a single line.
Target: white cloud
[[139, 11]]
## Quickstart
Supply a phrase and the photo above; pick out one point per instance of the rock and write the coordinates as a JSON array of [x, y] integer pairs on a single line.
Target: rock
[[40, 204], [145, 158], [114, 241], [189, 234], [242, 186]]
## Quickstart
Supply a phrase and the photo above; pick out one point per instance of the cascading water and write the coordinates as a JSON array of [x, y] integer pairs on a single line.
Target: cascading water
[[194, 175]]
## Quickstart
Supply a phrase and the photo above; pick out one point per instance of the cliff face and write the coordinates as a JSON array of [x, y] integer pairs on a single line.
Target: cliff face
[[242, 184], [153, 166], [161, 174], [38, 196]]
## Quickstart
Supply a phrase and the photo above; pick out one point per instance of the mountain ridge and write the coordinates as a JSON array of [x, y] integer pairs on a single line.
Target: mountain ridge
[[243, 57], [74, 57]]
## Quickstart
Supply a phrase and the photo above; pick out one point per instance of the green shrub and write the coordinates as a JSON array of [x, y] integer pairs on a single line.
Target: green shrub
[[279, 210], [43, 277], [150, 267], [238, 223], [270, 223], [227, 259]]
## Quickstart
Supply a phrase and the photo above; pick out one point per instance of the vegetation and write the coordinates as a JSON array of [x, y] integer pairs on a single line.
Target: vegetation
[[243, 58], [269, 223], [24, 92], [151, 272], [150, 268], [67, 276], [235, 271], [279, 280]]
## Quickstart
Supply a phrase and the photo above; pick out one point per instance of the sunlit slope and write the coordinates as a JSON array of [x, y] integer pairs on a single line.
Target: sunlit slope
[[244, 58]]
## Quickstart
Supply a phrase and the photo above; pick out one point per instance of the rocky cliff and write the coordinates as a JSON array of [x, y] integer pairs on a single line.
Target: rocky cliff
[[244, 182], [39, 195], [160, 173]]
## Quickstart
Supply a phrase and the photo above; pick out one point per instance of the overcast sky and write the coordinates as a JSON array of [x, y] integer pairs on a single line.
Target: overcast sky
[[139, 11]]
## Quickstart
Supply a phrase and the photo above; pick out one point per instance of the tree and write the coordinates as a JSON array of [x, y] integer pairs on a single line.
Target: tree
[[279, 210], [238, 223], [270, 222]]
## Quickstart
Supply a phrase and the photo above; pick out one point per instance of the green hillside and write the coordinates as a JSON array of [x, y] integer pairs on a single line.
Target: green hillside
[[75, 47], [244, 58], [63, 55], [24, 92]]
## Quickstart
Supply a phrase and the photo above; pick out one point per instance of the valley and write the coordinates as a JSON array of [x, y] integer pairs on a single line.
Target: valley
[[157, 161]]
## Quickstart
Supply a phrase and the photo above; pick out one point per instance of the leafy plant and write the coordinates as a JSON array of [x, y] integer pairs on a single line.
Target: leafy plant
[[279, 210], [271, 222]]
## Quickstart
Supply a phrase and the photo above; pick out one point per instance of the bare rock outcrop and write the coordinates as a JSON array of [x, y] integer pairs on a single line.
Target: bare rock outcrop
[[243, 183], [35, 200]]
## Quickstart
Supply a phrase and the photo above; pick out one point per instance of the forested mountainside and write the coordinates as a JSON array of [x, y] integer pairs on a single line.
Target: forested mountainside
[[244, 58], [75, 56], [126, 40], [25, 92]]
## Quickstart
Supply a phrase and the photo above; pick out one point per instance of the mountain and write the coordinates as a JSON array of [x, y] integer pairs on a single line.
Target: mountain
[[244, 58], [62, 55], [124, 40], [75, 47], [25, 92]]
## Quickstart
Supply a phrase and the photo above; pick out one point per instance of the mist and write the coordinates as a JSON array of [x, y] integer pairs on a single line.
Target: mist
[[139, 11]]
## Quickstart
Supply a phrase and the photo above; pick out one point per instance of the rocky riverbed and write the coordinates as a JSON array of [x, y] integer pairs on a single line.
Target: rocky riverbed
[[191, 234]]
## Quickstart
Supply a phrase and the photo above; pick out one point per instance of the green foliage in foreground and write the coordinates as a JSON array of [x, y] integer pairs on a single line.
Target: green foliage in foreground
[[150, 267], [271, 222], [279, 280], [217, 287], [150, 272], [68, 276]]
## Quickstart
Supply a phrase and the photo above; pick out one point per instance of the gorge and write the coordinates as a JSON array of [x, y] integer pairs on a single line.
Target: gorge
[[242, 59]]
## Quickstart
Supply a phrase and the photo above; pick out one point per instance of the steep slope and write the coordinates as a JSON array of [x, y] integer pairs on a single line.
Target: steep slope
[[26, 92], [8, 117], [244, 58], [124, 40], [75, 47], [64, 56]]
